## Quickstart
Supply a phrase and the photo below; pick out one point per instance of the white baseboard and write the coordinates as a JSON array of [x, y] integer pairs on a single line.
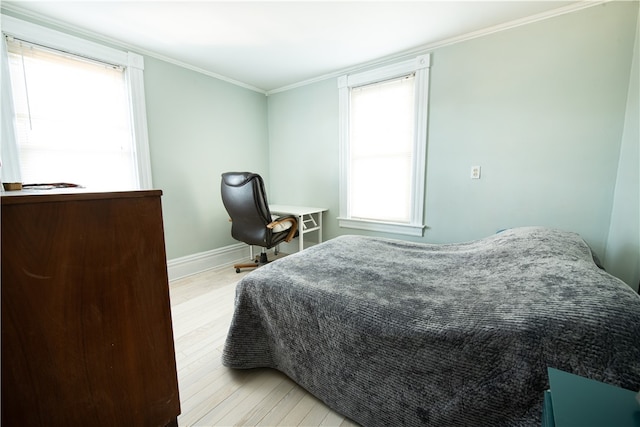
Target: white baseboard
[[222, 257], [196, 263]]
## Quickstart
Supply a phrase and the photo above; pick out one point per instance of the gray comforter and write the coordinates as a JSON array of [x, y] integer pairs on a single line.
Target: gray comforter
[[394, 333]]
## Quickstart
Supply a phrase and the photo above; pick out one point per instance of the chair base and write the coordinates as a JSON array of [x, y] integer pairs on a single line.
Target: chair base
[[260, 261]]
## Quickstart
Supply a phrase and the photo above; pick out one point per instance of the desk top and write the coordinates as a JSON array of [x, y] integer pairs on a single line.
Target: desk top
[[295, 210]]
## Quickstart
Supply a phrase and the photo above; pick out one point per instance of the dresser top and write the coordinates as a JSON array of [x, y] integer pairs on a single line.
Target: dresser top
[[69, 194]]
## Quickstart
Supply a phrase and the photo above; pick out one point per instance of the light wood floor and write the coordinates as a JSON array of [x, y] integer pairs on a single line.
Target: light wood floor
[[213, 395]]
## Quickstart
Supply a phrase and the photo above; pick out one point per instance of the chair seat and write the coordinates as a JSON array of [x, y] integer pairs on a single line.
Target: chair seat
[[282, 226]]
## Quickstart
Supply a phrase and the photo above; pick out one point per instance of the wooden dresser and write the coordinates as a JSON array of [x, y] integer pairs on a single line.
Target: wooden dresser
[[86, 321]]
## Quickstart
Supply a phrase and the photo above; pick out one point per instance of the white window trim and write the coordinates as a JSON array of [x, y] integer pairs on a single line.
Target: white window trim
[[419, 65], [132, 63]]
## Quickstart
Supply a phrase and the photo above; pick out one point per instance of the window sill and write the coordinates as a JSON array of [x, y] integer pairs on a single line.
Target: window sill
[[384, 227]]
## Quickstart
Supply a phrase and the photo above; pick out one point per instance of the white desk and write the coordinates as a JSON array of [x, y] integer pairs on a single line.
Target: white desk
[[309, 219]]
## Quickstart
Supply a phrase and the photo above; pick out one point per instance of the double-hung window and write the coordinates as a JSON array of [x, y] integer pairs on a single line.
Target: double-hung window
[[383, 136], [78, 110]]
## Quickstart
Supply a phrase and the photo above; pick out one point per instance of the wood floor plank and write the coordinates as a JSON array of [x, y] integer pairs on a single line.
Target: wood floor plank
[[243, 389], [208, 400], [283, 407], [332, 419], [300, 411], [193, 382], [316, 416], [250, 405], [262, 410]]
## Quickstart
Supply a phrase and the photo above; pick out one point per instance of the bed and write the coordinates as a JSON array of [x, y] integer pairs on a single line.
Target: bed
[[388, 332]]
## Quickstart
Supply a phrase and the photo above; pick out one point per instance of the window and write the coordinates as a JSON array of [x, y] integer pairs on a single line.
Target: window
[[383, 128], [74, 108]]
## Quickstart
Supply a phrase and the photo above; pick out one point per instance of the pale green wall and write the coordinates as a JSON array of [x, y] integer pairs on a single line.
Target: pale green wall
[[200, 127], [303, 147], [622, 255], [540, 107]]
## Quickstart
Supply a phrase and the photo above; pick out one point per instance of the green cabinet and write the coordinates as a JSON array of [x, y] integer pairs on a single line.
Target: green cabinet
[[574, 401]]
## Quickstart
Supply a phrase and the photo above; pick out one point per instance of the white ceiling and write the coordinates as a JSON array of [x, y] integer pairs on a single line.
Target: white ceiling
[[268, 45]]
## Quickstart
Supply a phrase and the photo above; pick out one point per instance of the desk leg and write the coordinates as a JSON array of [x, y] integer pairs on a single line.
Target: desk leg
[[300, 233], [319, 227]]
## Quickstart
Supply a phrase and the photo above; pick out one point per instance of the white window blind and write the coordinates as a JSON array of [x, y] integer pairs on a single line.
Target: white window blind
[[73, 118], [381, 143]]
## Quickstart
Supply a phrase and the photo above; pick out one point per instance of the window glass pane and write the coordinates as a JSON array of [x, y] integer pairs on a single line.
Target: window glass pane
[[73, 119], [381, 188], [381, 150]]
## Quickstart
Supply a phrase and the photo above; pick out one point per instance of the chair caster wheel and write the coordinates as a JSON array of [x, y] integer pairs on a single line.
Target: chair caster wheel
[[237, 270]]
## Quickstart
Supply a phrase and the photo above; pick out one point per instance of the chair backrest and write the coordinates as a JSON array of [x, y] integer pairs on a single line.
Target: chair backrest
[[245, 200]]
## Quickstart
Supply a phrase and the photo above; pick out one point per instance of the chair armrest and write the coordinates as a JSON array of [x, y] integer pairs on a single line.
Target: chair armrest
[[292, 230]]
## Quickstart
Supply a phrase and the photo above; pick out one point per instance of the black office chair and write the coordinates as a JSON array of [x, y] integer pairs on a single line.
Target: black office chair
[[245, 200]]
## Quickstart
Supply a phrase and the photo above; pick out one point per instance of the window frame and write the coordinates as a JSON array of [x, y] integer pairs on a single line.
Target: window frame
[[420, 66], [132, 63]]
